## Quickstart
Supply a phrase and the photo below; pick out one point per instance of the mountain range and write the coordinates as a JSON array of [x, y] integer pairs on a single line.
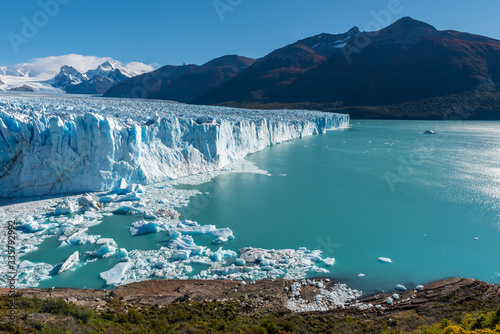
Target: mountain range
[[43, 74], [96, 81], [408, 70], [182, 83]]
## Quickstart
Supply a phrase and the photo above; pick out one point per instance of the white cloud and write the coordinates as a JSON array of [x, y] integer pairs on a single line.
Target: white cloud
[[49, 66], [139, 67]]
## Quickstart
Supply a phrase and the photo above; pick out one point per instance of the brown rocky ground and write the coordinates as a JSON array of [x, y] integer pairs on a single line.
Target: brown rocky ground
[[196, 306], [265, 294]]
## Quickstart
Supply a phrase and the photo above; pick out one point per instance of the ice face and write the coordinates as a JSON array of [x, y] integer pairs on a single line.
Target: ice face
[[52, 145]]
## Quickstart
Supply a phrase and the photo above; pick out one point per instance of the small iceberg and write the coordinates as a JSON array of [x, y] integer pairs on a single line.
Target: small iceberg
[[122, 253], [429, 132], [185, 243], [385, 259], [180, 255], [222, 254], [72, 260], [105, 251], [116, 274], [401, 287], [222, 235], [143, 227], [127, 210], [83, 239]]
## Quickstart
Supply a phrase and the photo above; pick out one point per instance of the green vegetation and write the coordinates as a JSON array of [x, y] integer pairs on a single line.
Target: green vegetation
[[37, 315]]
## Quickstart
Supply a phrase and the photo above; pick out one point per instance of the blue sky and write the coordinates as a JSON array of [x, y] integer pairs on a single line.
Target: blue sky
[[194, 31]]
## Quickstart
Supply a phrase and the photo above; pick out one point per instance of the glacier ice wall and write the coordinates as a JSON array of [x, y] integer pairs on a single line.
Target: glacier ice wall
[[55, 145]]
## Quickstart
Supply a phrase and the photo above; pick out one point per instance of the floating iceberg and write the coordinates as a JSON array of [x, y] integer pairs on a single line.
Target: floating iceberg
[[222, 235], [122, 253], [34, 226], [105, 251], [115, 275], [222, 254], [180, 255], [185, 243], [54, 145], [83, 239], [143, 227], [72, 260]]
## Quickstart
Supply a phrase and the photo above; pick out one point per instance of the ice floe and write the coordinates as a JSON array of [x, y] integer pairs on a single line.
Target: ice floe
[[116, 274], [143, 227]]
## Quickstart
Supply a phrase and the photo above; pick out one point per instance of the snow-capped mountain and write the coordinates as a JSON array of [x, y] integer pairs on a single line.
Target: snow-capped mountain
[[71, 73], [67, 76], [94, 81], [19, 70]]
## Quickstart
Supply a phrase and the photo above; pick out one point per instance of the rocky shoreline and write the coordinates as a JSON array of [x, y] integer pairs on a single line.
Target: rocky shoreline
[[266, 295]]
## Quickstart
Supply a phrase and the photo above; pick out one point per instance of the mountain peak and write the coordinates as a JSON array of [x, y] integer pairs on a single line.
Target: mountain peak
[[354, 30], [68, 75], [408, 23], [106, 65]]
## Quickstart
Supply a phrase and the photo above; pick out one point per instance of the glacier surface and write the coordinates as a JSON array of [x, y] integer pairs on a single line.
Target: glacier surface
[[53, 144]]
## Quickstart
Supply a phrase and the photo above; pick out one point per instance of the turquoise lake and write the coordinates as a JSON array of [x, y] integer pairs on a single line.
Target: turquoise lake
[[430, 203]]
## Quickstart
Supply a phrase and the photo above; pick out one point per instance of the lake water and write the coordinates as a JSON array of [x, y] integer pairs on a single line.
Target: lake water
[[431, 203]]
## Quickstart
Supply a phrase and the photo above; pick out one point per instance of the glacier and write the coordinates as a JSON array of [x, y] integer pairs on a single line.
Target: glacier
[[60, 145], [126, 157]]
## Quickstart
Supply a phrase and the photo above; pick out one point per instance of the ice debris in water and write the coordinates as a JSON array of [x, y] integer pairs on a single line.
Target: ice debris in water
[[385, 259], [106, 250], [65, 207], [173, 261]]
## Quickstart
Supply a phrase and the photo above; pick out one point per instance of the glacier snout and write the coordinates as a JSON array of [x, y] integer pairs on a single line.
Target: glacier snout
[[48, 150]]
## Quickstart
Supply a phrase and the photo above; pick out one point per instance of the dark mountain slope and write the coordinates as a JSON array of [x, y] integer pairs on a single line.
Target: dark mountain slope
[[390, 69], [148, 84], [270, 74], [201, 79]]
